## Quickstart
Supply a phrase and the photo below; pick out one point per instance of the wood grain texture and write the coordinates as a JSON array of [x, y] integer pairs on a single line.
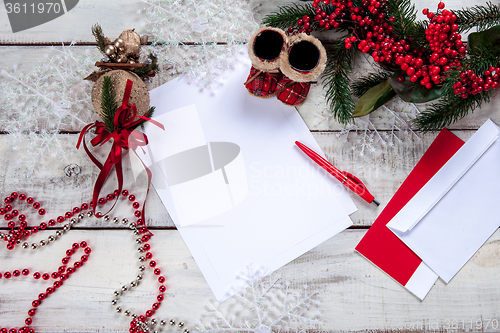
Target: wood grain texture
[[114, 17], [354, 294], [382, 172], [58, 193], [311, 110]]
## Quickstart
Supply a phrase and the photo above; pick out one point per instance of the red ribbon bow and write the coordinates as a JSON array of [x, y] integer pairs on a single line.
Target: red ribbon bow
[[124, 137]]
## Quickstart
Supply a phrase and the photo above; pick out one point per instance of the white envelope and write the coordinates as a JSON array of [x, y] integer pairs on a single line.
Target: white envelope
[[456, 212], [264, 203]]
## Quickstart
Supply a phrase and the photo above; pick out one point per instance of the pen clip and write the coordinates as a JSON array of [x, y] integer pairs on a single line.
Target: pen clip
[[356, 180]]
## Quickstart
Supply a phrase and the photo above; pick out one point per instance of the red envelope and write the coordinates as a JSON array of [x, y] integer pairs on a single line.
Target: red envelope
[[386, 250]]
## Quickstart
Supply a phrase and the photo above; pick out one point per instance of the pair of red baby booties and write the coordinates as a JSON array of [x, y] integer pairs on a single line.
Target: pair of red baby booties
[[284, 66]]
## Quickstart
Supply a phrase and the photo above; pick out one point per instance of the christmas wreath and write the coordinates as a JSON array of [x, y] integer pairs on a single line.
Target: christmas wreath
[[420, 61]]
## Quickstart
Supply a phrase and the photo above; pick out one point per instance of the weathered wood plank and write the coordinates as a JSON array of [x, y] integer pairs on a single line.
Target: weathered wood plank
[[114, 17], [311, 111], [354, 294], [59, 193], [383, 174]]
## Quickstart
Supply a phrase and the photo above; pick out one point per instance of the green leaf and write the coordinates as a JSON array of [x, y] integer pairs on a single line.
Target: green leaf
[[374, 98], [487, 39], [414, 92]]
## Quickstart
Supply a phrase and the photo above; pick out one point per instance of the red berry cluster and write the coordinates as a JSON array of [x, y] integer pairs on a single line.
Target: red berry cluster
[[428, 70], [373, 34], [304, 24], [470, 83], [445, 43]]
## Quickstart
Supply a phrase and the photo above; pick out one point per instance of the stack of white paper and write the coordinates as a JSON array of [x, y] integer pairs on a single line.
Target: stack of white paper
[[238, 189]]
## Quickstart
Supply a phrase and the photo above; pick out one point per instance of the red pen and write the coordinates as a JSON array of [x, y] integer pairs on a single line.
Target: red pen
[[345, 178]]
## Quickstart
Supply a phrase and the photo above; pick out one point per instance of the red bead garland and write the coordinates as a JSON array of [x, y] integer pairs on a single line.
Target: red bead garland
[[22, 231], [61, 275]]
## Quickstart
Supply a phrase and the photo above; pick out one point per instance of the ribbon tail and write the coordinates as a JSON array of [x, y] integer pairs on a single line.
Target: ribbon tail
[[119, 176], [83, 133], [160, 125], [114, 155], [100, 181], [150, 175], [81, 140]]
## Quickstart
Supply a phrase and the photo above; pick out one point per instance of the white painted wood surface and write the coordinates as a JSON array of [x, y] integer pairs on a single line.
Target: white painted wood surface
[[382, 174], [355, 295]]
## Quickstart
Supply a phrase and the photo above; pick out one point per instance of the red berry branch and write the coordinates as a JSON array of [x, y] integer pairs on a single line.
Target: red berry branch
[[428, 54]]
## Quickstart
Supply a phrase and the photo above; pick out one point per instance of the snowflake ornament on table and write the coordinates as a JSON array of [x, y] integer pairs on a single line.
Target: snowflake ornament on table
[[51, 99], [198, 37], [364, 133], [268, 304]]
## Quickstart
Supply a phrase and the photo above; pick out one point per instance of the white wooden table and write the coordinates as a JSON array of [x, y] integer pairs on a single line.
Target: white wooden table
[[355, 295]]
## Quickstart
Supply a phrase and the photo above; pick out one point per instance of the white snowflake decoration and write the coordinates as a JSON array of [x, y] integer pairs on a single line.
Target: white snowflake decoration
[[363, 134], [198, 37], [269, 304], [39, 105]]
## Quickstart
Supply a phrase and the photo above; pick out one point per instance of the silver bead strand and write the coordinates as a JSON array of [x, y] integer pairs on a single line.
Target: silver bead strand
[[147, 326]]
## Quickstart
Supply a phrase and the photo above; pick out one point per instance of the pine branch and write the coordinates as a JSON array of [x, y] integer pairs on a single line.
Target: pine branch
[[450, 109], [416, 31], [365, 83], [481, 17], [108, 104], [287, 16], [142, 72], [453, 107], [480, 60], [405, 16], [99, 38], [336, 79]]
